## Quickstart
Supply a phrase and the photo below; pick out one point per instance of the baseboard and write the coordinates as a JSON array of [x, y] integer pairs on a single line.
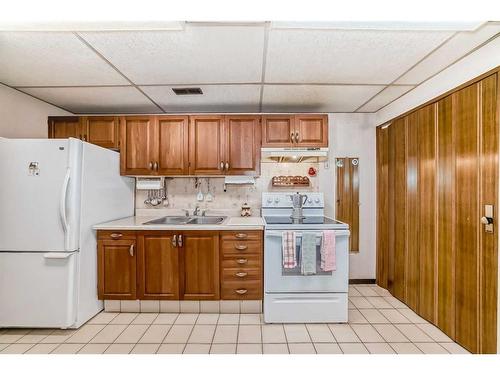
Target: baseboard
[[362, 281]]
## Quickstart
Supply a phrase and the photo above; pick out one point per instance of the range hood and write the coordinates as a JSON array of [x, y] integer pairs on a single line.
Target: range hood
[[294, 155]]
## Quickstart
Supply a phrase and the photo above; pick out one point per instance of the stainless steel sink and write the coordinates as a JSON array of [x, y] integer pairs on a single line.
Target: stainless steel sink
[[180, 220], [172, 220], [206, 220]]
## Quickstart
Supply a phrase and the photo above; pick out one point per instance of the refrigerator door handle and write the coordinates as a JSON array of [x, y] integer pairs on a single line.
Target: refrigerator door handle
[[57, 255], [62, 208]]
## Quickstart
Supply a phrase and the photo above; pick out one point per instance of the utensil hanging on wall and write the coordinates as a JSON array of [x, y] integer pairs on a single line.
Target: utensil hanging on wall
[[199, 196], [209, 197]]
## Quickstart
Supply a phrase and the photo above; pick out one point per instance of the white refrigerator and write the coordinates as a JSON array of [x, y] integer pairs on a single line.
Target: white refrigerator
[[51, 193]]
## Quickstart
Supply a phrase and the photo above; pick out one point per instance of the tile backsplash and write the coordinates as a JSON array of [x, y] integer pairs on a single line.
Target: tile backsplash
[[181, 192]]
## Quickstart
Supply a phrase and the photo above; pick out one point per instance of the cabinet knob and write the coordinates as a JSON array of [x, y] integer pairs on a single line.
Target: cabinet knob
[[151, 165], [180, 240], [242, 261], [240, 274], [227, 166], [155, 166], [240, 247], [221, 166], [131, 250], [241, 235], [115, 236], [241, 291], [174, 240], [291, 137], [297, 137]]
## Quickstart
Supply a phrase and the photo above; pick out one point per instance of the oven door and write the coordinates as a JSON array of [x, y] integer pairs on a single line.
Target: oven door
[[278, 279]]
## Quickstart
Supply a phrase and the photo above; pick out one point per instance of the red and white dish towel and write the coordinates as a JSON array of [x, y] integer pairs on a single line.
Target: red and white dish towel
[[289, 248], [328, 251]]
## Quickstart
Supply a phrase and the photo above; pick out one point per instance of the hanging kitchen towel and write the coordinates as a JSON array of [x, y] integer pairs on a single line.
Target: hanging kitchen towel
[[328, 251], [288, 246], [308, 254]]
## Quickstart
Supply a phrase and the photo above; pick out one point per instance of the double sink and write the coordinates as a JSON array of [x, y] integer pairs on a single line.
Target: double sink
[[181, 220]]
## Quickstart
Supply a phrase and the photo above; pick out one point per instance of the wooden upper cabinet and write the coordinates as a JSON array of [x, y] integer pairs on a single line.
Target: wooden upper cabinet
[[65, 127], [311, 131], [116, 269], [199, 269], [157, 266], [242, 149], [206, 145], [102, 131], [295, 131], [278, 131], [137, 153], [172, 145]]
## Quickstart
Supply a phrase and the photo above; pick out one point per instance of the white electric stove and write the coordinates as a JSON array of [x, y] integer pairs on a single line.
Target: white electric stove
[[289, 296]]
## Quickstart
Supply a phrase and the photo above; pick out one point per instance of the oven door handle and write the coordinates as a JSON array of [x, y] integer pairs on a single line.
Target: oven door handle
[[298, 233]]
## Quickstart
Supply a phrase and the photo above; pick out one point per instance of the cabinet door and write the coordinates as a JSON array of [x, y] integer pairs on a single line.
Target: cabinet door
[[65, 127], [311, 131], [278, 131], [206, 145], [101, 131], [172, 146], [116, 269], [242, 151], [137, 145], [157, 266], [199, 268]]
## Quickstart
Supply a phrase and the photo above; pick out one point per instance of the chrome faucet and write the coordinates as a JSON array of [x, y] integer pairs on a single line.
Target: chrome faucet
[[196, 211]]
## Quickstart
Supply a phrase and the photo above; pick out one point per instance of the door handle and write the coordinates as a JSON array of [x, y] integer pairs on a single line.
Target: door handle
[[180, 240], [151, 165], [221, 166], [155, 166], [62, 207], [131, 250], [291, 137], [227, 166], [56, 255], [297, 137], [174, 240]]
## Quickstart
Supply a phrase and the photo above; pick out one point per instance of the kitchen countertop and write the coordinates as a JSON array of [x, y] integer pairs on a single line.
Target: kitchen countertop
[[137, 223]]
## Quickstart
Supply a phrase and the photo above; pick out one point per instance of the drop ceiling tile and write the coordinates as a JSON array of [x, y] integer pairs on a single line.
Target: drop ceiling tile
[[51, 59], [316, 98], [456, 47], [220, 98], [197, 54], [384, 97], [96, 99], [346, 56]]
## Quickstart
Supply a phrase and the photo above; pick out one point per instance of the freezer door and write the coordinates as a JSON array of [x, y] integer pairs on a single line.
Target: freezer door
[[39, 194], [38, 289]]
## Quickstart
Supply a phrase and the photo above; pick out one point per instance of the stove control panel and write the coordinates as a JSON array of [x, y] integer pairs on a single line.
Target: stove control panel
[[283, 200]]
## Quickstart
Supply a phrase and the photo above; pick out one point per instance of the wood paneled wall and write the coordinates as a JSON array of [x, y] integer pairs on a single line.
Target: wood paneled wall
[[436, 169]]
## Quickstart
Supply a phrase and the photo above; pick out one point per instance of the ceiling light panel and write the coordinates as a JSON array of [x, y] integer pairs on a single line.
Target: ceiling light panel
[[383, 98], [51, 59], [314, 98], [215, 98], [380, 25], [196, 55], [346, 56], [452, 50], [96, 99]]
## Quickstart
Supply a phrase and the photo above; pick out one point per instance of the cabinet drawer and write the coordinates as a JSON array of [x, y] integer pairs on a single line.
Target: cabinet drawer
[[241, 290], [241, 274], [241, 235], [242, 261], [241, 247], [115, 235]]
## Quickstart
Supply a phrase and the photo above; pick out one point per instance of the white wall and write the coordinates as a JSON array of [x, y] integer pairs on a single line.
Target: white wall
[[353, 135], [472, 66], [22, 116]]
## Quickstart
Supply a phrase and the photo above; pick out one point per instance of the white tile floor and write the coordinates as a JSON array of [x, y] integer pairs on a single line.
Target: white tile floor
[[378, 324]]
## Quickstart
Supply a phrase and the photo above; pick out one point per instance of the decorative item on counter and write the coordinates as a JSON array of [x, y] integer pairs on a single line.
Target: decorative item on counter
[[312, 171], [246, 210], [287, 181]]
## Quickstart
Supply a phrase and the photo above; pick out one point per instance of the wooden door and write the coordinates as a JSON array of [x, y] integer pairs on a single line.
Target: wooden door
[[172, 145], [199, 267], [467, 216], [157, 266], [427, 213], [278, 131], [311, 130], [206, 145], [242, 145], [488, 250], [382, 207], [65, 127], [347, 192], [137, 134], [102, 131], [116, 269]]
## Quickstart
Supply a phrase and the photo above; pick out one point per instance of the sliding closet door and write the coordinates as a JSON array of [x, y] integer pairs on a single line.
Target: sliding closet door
[[382, 206], [426, 211], [467, 216], [488, 249], [412, 263], [446, 218]]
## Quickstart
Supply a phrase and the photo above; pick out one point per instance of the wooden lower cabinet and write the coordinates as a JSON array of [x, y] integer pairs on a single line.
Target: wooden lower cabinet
[[179, 265]]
